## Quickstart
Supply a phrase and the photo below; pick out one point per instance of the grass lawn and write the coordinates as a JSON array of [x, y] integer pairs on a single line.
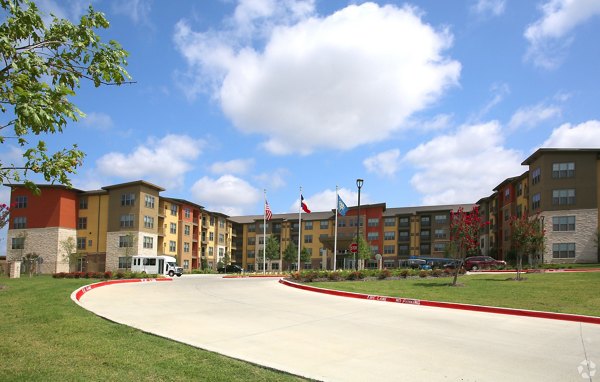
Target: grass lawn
[[47, 337], [559, 292]]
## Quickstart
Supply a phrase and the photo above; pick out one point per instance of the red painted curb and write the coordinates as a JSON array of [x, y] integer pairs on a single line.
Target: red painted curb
[[248, 277], [451, 305], [83, 290]]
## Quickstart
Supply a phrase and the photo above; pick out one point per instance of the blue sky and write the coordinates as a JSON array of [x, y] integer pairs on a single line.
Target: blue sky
[[430, 102]]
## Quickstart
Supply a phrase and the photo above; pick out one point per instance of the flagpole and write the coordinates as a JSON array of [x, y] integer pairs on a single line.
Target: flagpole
[[299, 228], [335, 234], [265, 232]]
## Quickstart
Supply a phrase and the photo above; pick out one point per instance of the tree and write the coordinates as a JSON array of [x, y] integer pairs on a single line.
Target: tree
[[364, 251], [464, 234], [305, 256], [70, 254], [4, 215], [272, 249], [31, 262], [527, 236], [290, 254], [129, 248], [41, 67]]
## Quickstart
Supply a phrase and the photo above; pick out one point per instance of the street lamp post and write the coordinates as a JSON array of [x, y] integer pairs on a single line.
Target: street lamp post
[[359, 184]]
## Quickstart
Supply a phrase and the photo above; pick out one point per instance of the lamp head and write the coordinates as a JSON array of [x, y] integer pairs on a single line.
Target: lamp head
[[359, 183]]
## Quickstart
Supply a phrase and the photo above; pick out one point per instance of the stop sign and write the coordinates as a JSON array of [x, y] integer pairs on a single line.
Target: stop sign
[[353, 247]]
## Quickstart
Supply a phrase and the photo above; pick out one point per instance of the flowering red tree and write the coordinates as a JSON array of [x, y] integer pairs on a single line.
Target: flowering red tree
[[464, 234], [4, 215], [527, 236]]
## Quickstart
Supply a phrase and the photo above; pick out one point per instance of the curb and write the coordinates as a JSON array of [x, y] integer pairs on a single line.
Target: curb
[[77, 294], [450, 305], [249, 277]]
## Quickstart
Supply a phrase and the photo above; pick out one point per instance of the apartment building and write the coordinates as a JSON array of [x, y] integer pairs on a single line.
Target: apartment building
[[564, 191]]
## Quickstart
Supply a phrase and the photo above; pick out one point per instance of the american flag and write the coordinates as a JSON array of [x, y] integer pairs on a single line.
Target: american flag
[[268, 213]]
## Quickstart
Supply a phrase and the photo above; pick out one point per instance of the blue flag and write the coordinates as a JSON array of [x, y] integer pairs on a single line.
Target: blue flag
[[341, 207]]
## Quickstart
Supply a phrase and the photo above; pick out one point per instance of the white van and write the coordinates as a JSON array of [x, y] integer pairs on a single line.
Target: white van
[[161, 265]]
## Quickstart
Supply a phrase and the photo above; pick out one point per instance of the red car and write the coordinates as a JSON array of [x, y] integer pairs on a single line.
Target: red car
[[480, 262]]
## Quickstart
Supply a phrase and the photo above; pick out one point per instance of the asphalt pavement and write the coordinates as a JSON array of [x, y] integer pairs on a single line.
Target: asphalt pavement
[[331, 338]]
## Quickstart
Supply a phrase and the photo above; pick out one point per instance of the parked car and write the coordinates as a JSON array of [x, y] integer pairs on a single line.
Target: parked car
[[451, 264], [474, 263], [417, 264], [231, 268]]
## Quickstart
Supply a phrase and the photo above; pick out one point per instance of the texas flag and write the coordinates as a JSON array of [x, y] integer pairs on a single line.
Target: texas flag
[[303, 204]]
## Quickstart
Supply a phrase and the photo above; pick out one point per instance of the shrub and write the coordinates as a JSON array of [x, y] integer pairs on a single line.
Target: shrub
[[384, 274], [423, 273], [334, 276], [404, 273], [437, 272], [108, 275], [120, 275]]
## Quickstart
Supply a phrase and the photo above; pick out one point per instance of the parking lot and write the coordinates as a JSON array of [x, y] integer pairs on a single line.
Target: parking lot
[[339, 339]]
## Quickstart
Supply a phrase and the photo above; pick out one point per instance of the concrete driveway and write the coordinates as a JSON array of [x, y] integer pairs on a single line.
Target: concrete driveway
[[334, 338]]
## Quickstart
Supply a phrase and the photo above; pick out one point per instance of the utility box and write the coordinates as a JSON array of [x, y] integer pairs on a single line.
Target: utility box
[[14, 269]]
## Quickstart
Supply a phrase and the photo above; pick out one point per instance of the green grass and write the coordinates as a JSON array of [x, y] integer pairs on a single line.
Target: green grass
[[560, 292], [47, 337]]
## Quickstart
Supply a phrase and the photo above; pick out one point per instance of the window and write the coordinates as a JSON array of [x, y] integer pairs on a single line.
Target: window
[[186, 213], [563, 197], [148, 242], [173, 209], [506, 215], [126, 221], [221, 253], [324, 224], [308, 225], [250, 254], [18, 243], [275, 266], [211, 236], [389, 263], [20, 222], [308, 238], [186, 230], [425, 249], [535, 176], [425, 220], [374, 248], [125, 262], [148, 222], [149, 201], [251, 241], [373, 222], [211, 251], [221, 238], [507, 195], [186, 264], [441, 219], [341, 222], [21, 202], [403, 250], [563, 250], [403, 235], [186, 247], [89, 243], [125, 241], [519, 211], [221, 223], [389, 249], [82, 223], [440, 234], [519, 189], [563, 223], [128, 199], [563, 170], [83, 203], [372, 236], [172, 246], [535, 201], [439, 247], [425, 234], [251, 228], [404, 222], [173, 228], [212, 221], [389, 222], [389, 235]]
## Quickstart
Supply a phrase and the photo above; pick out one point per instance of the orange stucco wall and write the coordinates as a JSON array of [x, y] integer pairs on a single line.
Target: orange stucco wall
[[54, 207]]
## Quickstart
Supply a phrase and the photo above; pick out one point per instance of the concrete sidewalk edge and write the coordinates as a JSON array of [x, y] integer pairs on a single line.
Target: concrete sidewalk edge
[[78, 293], [450, 305]]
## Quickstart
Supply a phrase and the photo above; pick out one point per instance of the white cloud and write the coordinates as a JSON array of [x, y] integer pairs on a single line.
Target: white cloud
[[274, 179], [498, 91], [235, 166], [326, 201], [137, 10], [162, 161], [546, 36], [385, 163], [97, 120], [228, 194], [584, 135], [13, 156], [324, 82], [531, 116], [464, 166], [489, 7]]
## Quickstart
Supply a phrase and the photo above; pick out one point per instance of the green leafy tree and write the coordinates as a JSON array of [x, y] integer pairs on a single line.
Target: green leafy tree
[[272, 249], [364, 251], [129, 249], [290, 254], [527, 237], [70, 254], [42, 65], [305, 256]]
